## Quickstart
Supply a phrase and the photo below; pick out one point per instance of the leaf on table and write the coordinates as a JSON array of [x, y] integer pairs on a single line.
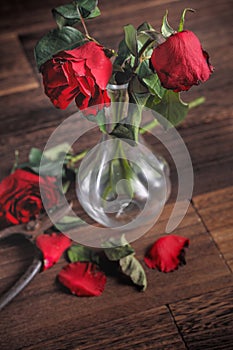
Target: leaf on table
[[81, 253], [118, 249], [132, 268]]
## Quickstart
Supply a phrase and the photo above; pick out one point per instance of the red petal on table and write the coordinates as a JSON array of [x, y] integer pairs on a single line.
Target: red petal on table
[[52, 247], [167, 253], [83, 279]]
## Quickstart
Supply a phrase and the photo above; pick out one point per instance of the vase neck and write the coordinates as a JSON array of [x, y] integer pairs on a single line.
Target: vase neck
[[118, 109]]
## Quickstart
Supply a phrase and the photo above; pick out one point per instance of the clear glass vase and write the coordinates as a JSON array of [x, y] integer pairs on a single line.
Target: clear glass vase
[[120, 181]]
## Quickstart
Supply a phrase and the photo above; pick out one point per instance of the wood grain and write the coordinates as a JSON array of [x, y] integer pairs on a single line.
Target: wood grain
[[153, 329], [15, 74], [216, 209], [190, 308], [206, 321]]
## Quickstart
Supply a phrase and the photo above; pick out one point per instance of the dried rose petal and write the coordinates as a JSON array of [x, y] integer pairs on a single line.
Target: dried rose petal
[[167, 253], [83, 279], [52, 247], [180, 62]]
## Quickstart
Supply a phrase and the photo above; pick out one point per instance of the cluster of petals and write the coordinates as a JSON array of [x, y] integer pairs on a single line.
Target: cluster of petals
[[81, 74], [81, 278], [20, 196]]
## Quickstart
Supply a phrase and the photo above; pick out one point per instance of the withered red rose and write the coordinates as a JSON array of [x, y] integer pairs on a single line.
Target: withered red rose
[[81, 74], [167, 253], [180, 62], [20, 198]]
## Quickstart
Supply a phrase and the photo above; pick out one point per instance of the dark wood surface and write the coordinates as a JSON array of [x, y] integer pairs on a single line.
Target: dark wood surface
[[190, 308]]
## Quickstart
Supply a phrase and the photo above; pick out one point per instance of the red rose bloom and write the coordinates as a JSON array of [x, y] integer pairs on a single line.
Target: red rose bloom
[[20, 199], [83, 279], [81, 74], [52, 247], [180, 62], [167, 253]]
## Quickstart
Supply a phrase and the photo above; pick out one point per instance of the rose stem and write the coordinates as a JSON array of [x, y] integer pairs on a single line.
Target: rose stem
[[83, 23]]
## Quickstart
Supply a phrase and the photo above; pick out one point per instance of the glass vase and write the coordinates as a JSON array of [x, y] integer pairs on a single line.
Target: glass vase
[[120, 181]]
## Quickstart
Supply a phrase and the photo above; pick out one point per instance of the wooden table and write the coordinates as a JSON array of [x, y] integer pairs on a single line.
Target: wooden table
[[190, 308]]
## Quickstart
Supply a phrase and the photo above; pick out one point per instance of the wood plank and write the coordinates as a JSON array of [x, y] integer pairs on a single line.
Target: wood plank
[[200, 293], [216, 209], [213, 198], [219, 214], [36, 304], [152, 329], [16, 73], [206, 321]]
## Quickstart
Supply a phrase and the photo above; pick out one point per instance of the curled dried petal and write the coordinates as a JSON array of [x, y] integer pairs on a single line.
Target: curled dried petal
[[167, 253]]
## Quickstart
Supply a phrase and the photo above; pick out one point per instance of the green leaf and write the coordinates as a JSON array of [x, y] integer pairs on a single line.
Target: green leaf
[[123, 54], [172, 107], [68, 15], [152, 101], [69, 222], [57, 152], [86, 6], [48, 168], [82, 253], [34, 157], [143, 35], [99, 119], [131, 39], [118, 249], [124, 131], [154, 85], [166, 29], [181, 24], [144, 26], [57, 40], [95, 13], [132, 268], [65, 186]]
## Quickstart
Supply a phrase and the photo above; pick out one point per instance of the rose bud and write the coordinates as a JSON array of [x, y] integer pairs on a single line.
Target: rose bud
[[52, 247], [20, 198], [167, 253], [180, 62], [81, 74]]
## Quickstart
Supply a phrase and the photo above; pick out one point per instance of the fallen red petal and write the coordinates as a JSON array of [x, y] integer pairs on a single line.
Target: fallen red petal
[[83, 279], [167, 253], [52, 247]]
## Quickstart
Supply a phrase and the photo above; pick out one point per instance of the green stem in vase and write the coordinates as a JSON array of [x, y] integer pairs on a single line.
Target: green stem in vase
[[119, 169]]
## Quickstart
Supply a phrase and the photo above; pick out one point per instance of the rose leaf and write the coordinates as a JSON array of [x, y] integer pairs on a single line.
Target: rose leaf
[[82, 253], [172, 108], [132, 268], [131, 39], [68, 15], [166, 29], [57, 40], [118, 249]]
